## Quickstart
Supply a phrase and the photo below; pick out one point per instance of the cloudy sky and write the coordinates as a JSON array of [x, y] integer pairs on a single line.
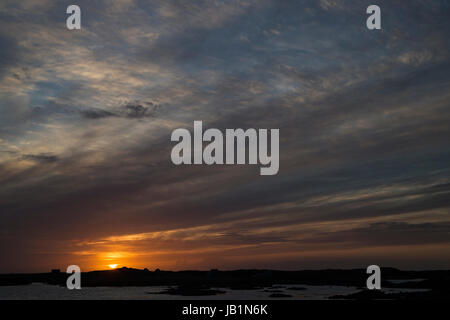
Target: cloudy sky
[[86, 117]]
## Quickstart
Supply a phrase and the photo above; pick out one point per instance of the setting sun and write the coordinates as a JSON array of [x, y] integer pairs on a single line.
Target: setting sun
[[113, 266]]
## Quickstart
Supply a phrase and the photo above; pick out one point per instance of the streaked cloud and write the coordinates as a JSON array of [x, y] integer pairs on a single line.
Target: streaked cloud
[[86, 118]]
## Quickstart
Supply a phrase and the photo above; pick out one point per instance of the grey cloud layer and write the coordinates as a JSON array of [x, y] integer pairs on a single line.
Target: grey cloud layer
[[86, 119]]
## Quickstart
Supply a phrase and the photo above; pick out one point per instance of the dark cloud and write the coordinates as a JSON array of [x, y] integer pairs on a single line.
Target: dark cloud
[[41, 157], [391, 233], [135, 110], [97, 114], [9, 54]]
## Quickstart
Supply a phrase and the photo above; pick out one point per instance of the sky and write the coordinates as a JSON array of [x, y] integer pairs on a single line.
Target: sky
[[86, 117]]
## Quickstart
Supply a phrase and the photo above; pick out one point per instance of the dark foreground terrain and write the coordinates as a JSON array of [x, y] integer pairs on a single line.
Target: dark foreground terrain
[[192, 283]]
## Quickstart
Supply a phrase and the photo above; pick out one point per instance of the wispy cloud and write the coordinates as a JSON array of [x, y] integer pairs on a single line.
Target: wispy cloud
[[86, 117]]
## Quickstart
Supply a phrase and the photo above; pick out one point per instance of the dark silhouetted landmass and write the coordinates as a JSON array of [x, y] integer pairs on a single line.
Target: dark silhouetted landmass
[[194, 283]]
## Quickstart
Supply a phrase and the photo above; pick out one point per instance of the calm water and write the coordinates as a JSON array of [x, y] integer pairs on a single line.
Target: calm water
[[45, 291]]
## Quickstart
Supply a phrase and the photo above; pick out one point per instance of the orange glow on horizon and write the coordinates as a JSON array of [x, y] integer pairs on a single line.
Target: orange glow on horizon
[[112, 266]]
